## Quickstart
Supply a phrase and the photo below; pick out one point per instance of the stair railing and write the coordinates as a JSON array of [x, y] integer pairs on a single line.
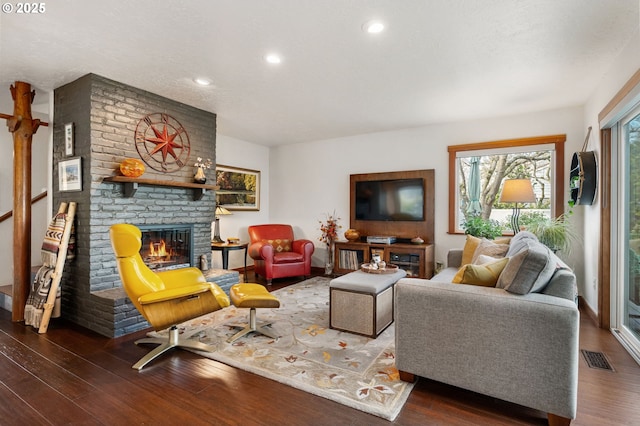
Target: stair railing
[[34, 200]]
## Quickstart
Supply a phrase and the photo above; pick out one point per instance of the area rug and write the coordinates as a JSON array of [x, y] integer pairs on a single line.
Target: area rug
[[353, 370]]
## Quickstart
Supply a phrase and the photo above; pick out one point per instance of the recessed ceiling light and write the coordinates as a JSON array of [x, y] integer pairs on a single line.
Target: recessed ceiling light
[[202, 81], [273, 58], [373, 27]]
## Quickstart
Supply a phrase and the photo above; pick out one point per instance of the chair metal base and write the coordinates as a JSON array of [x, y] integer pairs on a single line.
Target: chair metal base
[[253, 327], [173, 341]]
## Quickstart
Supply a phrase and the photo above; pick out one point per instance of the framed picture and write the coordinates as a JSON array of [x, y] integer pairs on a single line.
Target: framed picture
[[68, 139], [70, 175], [239, 188]]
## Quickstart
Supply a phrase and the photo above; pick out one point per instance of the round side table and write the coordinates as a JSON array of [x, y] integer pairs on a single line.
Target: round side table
[[224, 248]]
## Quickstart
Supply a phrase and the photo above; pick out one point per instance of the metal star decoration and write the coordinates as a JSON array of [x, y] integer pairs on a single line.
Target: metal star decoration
[[164, 142]]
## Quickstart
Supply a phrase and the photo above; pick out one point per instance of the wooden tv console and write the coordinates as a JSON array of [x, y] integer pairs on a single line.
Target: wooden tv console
[[416, 259]]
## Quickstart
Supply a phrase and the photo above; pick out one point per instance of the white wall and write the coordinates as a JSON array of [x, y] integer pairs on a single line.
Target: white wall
[[40, 212], [309, 180], [246, 155], [627, 63]]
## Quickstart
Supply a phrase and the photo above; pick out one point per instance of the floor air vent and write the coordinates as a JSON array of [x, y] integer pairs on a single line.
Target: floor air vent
[[596, 360]]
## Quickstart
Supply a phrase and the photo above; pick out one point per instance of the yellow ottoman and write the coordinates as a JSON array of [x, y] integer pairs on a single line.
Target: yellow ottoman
[[252, 296]]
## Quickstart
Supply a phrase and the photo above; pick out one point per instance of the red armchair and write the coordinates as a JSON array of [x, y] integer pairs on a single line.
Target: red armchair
[[277, 254]]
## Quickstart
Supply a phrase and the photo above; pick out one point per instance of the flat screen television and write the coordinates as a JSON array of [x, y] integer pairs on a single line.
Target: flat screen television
[[390, 200]]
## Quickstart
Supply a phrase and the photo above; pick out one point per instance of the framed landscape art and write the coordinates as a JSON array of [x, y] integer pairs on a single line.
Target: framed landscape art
[[70, 175], [239, 188]]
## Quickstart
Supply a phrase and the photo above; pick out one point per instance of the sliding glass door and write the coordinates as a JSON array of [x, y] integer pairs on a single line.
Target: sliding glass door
[[627, 310]]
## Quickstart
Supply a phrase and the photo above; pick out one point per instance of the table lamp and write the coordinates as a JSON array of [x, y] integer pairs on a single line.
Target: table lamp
[[220, 211], [517, 191]]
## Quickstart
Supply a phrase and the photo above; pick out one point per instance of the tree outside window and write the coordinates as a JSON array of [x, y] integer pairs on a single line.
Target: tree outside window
[[477, 173]]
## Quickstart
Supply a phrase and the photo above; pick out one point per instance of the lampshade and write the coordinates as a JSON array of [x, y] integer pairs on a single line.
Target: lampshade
[[517, 191], [220, 211]]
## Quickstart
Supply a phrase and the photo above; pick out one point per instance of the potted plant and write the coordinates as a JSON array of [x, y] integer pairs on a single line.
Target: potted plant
[[479, 227], [556, 233]]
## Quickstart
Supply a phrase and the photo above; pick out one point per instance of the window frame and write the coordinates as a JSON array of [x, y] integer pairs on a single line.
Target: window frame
[[557, 207]]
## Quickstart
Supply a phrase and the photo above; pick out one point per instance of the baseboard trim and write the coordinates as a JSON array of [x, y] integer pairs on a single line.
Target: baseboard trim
[[585, 308]]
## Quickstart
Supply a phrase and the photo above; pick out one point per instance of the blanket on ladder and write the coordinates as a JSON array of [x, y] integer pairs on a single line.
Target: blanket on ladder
[[44, 277]]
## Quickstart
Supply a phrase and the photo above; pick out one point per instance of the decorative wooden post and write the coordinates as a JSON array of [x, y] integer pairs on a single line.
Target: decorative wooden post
[[23, 128]]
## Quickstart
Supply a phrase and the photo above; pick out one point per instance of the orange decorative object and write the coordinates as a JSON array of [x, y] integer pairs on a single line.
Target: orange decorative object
[[130, 167], [352, 235]]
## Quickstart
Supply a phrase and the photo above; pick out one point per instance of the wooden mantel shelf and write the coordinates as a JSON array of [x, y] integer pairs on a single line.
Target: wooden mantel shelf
[[131, 185]]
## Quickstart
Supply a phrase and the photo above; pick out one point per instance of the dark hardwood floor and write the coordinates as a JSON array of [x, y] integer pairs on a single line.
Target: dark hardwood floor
[[72, 376]]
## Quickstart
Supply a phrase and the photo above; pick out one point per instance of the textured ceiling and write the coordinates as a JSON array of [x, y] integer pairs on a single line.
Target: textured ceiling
[[437, 61]]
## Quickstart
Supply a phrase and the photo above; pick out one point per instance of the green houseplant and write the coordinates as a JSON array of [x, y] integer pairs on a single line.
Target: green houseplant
[[482, 228], [556, 233]]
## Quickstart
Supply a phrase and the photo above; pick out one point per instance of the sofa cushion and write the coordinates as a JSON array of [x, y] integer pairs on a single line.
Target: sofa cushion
[[528, 270], [519, 242], [280, 245], [485, 275], [287, 257], [489, 248]]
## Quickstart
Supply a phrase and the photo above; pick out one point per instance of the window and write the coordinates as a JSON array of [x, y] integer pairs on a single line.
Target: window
[[540, 159]]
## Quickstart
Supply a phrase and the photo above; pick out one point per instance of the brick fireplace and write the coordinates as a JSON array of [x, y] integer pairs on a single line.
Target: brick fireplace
[[104, 114]]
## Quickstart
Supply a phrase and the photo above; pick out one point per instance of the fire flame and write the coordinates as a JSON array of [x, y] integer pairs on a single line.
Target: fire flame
[[158, 249]]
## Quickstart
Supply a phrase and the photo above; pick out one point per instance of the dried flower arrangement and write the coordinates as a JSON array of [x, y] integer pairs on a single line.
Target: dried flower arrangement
[[329, 229], [203, 164]]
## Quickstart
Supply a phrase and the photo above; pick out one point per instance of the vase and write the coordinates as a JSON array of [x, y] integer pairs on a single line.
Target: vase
[[352, 235], [200, 177], [131, 167], [328, 265]]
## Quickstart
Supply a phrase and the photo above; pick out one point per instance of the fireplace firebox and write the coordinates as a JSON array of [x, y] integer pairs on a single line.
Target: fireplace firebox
[[167, 246]]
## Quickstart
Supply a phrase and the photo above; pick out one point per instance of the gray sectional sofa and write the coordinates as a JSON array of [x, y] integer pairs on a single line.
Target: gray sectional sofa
[[496, 341]]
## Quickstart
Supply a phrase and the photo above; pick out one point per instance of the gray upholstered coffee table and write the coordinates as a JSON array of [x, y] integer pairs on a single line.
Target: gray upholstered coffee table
[[362, 303]]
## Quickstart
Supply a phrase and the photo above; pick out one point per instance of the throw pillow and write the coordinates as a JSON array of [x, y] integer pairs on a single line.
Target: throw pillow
[[469, 249], [483, 258], [280, 245], [483, 275], [489, 248], [471, 244], [520, 242], [529, 270], [502, 240]]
